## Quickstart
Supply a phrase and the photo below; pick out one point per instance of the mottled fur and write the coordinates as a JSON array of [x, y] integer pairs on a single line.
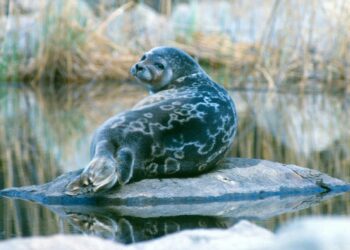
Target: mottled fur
[[182, 129]]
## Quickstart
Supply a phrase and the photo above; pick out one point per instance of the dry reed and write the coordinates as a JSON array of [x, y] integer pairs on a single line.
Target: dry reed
[[72, 50]]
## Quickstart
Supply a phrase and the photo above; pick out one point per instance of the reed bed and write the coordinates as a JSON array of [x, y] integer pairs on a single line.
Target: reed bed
[[71, 49], [73, 45]]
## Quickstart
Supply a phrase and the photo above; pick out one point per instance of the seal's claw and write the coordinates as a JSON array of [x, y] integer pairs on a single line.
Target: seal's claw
[[100, 174], [74, 187]]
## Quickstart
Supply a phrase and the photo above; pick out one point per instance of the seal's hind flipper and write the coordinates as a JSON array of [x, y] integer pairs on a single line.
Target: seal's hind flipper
[[74, 187], [99, 175]]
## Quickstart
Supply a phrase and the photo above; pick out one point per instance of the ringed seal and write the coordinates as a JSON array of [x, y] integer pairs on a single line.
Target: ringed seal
[[182, 129]]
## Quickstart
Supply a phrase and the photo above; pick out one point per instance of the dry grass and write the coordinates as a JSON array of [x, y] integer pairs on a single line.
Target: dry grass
[[294, 48], [73, 47], [92, 57]]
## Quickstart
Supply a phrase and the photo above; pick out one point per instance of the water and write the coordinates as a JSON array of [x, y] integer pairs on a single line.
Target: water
[[45, 133]]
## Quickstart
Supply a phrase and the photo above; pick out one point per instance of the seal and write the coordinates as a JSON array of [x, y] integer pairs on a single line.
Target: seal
[[182, 129]]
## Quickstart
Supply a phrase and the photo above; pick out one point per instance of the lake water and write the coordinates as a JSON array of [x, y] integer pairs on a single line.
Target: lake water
[[45, 133]]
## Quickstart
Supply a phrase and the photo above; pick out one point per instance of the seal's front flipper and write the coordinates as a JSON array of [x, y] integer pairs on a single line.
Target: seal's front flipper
[[125, 160]]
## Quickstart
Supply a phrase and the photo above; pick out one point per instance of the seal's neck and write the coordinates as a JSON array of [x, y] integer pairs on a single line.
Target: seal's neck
[[182, 78], [174, 83]]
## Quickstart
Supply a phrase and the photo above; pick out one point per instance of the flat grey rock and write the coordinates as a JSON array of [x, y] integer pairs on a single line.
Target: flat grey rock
[[235, 179], [237, 189]]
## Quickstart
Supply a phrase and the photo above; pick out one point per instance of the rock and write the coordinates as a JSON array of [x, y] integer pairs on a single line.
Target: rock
[[60, 242], [19, 35], [26, 6], [235, 179], [240, 236], [22, 35], [140, 25], [308, 233], [237, 189], [315, 233], [248, 22]]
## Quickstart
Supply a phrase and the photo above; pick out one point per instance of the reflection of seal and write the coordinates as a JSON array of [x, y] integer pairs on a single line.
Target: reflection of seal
[[131, 229], [182, 129]]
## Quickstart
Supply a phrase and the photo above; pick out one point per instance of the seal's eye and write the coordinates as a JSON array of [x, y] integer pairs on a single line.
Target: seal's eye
[[159, 65], [143, 58]]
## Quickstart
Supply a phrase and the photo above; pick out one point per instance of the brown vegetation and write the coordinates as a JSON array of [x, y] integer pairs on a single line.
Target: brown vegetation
[[73, 46]]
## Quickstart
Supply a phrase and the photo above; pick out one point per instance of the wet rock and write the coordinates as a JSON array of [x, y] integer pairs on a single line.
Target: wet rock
[[234, 179]]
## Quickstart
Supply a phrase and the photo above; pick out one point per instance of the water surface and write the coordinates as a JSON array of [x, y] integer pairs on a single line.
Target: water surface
[[45, 133]]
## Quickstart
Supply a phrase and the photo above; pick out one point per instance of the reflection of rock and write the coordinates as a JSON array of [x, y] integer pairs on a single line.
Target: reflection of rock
[[258, 209], [138, 223]]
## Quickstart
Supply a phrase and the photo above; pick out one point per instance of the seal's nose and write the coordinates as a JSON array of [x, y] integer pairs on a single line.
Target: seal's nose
[[136, 68], [139, 67]]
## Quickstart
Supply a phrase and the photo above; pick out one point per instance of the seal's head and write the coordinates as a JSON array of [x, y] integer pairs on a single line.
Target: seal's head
[[162, 65]]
